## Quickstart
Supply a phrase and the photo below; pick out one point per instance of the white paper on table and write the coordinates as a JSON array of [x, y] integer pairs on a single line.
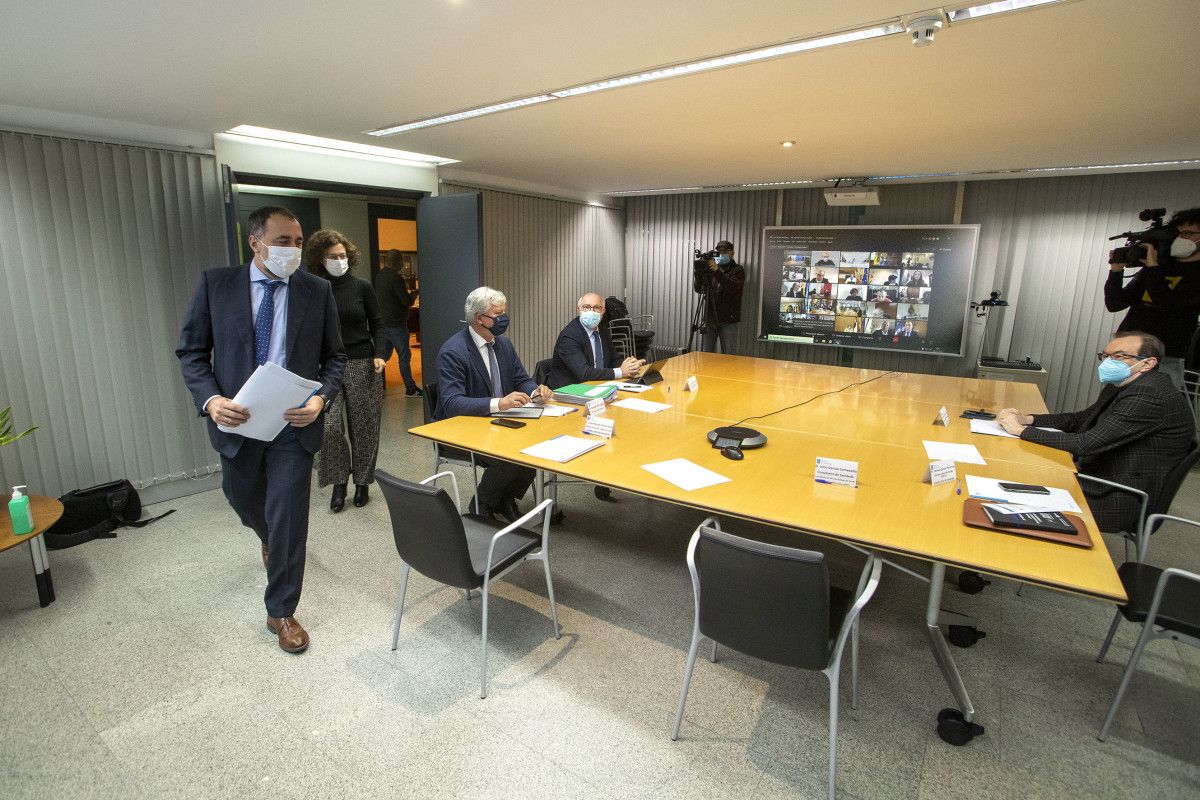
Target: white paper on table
[[685, 474], [561, 448], [633, 387], [270, 391], [637, 404], [962, 453], [558, 411], [992, 428], [989, 489]]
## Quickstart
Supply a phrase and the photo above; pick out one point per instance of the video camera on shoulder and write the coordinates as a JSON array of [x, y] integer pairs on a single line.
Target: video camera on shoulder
[[1159, 235]]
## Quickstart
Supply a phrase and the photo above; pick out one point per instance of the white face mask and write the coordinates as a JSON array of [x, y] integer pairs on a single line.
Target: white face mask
[[337, 267], [282, 261], [1182, 248]]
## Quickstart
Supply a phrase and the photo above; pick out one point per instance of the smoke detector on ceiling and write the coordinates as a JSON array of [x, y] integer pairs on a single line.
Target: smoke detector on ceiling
[[924, 26]]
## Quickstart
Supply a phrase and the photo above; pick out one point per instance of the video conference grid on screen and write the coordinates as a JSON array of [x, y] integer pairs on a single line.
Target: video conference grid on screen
[[885, 287]]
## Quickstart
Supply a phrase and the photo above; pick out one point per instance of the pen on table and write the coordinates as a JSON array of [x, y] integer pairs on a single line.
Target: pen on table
[[958, 487]]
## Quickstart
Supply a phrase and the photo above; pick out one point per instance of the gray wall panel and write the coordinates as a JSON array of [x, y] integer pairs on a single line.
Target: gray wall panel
[[543, 254]]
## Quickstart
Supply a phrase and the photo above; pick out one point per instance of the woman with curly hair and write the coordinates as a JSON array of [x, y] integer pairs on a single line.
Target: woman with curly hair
[[330, 255]]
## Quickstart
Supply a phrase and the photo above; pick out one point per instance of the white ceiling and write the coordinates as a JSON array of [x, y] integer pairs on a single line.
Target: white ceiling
[[1087, 82]]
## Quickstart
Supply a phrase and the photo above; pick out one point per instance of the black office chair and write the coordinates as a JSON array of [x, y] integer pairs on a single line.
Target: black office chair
[[444, 454], [1165, 601], [1163, 502], [775, 603], [467, 552], [541, 372]]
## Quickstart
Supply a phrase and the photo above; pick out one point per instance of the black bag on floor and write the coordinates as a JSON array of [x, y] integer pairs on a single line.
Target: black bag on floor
[[96, 513]]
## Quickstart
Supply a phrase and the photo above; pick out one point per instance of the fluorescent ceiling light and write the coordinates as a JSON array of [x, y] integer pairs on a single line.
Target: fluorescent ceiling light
[[660, 73], [1000, 7], [306, 142], [733, 59], [461, 115]]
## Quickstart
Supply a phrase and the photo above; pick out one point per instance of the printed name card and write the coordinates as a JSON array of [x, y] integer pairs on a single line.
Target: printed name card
[[692, 384], [939, 472], [596, 408], [943, 417], [600, 426], [837, 471]]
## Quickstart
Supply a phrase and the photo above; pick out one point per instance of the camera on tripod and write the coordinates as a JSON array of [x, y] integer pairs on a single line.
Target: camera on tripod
[[1158, 235]]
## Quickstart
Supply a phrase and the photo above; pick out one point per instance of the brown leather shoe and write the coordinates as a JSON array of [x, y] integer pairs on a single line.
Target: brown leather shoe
[[292, 637], [266, 553]]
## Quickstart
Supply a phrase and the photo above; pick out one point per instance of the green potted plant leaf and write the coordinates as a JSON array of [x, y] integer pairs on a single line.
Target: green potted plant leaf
[[6, 434]]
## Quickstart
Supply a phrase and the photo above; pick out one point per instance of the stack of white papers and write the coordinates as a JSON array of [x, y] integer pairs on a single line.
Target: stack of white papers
[[962, 453], [637, 404], [990, 489], [685, 474], [561, 448], [270, 391]]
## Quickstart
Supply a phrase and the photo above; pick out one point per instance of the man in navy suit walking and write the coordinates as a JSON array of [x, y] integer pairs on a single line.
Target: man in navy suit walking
[[479, 373], [240, 318]]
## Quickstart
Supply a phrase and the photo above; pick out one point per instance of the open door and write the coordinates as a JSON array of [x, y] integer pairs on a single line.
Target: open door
[[450, 241]]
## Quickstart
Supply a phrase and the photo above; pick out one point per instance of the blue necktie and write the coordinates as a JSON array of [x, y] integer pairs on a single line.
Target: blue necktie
[[264, 321], [497, 389], [597, 351]]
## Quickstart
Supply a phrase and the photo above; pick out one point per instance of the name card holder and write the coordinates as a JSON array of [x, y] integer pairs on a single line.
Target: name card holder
[[692, 384], [596, 408], [943, 417], [939, 472], [604, 427], [837, 471]]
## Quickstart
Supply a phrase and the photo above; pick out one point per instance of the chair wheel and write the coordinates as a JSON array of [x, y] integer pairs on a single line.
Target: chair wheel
[[953, 729], [964, 635], [557, 517], [971, 582], [603, 493]]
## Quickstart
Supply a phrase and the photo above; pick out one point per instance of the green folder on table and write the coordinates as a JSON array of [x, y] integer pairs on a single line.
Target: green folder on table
[[581, 393]]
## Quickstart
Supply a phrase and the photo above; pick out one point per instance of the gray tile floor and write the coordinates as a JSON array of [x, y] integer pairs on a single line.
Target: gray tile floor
[[153, 675]]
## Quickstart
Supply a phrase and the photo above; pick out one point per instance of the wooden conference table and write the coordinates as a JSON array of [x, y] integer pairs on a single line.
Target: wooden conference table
[[880, 424]]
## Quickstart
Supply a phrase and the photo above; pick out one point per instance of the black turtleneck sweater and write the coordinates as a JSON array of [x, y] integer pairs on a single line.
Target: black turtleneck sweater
[[358, 311]]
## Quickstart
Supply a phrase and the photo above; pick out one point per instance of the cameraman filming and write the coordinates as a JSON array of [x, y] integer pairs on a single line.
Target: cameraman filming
[[719, 279], [1163, 298]]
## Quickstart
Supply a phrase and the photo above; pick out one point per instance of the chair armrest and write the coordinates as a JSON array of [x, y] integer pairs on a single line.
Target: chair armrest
[[868, 582], [453, 482], [1143, 500], [1152, 522], [541, 508]]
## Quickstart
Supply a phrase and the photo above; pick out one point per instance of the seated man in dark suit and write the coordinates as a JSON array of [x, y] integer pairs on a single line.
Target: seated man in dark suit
[[584, 351], [1136, 432], [479, 373]]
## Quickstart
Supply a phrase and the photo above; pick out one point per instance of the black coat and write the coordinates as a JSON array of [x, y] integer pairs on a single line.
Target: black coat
[[1133, 434], [572, 361], [724, 288]]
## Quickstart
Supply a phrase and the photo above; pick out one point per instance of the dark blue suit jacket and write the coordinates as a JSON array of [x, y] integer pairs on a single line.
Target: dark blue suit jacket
[[573, 362], [216, 345], [464, 386]]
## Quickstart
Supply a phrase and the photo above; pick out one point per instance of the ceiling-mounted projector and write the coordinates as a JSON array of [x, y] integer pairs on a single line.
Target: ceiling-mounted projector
[[852, 196]]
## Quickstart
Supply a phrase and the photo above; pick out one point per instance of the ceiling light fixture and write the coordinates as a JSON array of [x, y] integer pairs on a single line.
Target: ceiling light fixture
[[866, 32], [461, 115], [1000, 7], [873, 31], [305, 142], [788, 143]]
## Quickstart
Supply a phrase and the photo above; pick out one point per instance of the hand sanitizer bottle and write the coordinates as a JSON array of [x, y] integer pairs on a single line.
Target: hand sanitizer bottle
[[18, 509]]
